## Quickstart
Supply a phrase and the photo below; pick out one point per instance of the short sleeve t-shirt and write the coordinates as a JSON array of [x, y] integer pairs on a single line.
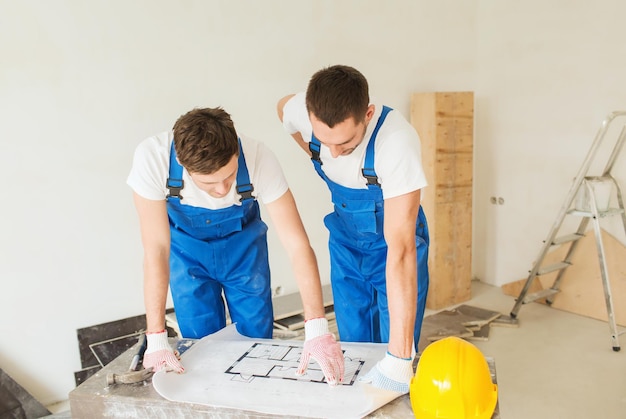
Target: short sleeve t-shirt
[[398, 162], [150, 170]]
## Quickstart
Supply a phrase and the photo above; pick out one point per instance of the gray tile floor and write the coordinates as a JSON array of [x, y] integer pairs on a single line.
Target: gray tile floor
[[555, 364]]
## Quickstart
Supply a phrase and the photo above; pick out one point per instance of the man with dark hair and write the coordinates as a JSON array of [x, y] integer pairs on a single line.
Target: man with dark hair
[[370, 158], [195, 191]]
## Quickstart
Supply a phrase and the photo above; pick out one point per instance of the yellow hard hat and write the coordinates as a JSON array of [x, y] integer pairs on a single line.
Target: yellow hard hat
[[452, 381]]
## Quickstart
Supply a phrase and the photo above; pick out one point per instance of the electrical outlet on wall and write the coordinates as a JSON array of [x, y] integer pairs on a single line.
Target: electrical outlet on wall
[[277, 291]]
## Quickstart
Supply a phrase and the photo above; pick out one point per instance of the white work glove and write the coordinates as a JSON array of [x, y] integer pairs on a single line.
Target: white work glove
[[391, 373], [322, 346], [160, 355]]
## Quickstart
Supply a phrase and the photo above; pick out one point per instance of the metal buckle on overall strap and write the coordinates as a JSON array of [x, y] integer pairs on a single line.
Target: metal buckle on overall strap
[[315, 152], [175, 186], [245, 191], [370, 176]]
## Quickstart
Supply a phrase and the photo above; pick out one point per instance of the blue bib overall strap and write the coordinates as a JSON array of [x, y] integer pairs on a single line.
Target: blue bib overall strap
[[175, 182], [219, 252], [368, 166], [244, 187]]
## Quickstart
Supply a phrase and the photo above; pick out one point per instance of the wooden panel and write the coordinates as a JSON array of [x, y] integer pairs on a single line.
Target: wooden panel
[[445, 124], [16, 402], [463, 321], [581, 289]]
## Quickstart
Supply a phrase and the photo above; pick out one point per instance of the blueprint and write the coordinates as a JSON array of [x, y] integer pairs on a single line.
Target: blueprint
[[258, 375], [280, 361]]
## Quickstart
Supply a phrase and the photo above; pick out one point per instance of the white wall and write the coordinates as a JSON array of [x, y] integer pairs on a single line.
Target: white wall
[[547, 74], [81, 83]]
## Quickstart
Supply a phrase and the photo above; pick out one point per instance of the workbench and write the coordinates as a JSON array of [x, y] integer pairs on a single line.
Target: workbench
[[94, 398]]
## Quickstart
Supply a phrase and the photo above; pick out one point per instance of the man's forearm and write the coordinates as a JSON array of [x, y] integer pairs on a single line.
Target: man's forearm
[[307, 277], [402, 301], [290, 230], [156, 282]]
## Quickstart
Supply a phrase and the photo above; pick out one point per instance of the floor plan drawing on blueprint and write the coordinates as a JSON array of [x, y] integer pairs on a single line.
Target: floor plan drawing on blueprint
[[222, 367], [265, 360]]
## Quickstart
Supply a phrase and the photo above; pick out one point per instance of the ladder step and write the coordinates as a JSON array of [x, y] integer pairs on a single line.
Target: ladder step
[[602, 214], [567, 239], [539, 294], [553, 267]]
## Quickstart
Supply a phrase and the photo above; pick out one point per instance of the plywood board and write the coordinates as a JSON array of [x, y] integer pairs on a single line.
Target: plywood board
[[482, 334], [444, 122], [581, 289], [464, 321], [291, 304]]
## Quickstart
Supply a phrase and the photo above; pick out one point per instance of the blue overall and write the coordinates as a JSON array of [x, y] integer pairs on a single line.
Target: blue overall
[[358, 253], [215, 251]]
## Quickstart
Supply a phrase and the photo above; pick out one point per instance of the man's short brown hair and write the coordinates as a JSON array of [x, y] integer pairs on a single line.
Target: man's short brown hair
[[205, 140], [337, 93]]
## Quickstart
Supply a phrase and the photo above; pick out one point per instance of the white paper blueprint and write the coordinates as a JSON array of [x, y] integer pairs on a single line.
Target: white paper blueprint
[[232, 371]]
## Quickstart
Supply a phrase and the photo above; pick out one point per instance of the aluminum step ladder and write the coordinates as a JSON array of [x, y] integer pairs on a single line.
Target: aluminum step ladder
[[584, 191]]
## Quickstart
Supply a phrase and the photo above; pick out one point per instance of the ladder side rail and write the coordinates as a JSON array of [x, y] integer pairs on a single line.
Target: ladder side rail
[[533, 272], [568, 257], [520, 298], [582, 172], [604, 272], [620, 201], [616, 150]]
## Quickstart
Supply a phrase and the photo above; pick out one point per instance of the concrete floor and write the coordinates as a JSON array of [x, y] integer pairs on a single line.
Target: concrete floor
[[555, 365]]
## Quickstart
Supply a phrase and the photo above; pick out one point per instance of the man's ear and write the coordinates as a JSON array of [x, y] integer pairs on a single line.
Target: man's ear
[[369, 114]]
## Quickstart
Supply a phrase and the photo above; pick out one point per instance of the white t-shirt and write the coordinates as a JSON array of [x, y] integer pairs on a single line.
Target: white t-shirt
[[150, 170], [397, 159]]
